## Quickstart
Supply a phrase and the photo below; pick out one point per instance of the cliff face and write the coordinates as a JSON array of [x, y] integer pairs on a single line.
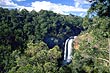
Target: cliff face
[[88, 38]]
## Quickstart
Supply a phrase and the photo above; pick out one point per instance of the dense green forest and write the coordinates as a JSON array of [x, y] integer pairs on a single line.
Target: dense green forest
[[31, 35], [33, 42]]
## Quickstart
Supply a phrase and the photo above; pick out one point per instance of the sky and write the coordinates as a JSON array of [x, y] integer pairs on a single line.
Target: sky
[[66, 7]]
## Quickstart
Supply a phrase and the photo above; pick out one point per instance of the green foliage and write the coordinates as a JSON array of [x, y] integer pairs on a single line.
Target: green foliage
[[17, 28], [93, 55], [54, 54], [37, 58], [94, 48], [50, 67], [100, 8], [22, 35]]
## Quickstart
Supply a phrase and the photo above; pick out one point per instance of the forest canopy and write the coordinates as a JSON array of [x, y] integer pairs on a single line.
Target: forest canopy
[[33, 42], [43, 30]]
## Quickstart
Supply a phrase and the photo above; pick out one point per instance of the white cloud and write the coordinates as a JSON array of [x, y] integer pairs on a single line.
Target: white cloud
[[82, 1], [45, 5], [58, 8], [23, 7], [8, 3], [82, 14], [79, 3], [20, 0]]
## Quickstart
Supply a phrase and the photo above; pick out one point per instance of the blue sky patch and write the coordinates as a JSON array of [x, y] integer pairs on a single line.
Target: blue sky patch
[[76, 7]]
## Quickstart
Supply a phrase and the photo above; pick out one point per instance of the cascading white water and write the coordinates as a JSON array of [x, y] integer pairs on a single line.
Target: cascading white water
[[68, 50]]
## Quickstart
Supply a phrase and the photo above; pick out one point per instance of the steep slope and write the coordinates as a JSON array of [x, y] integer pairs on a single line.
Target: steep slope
[[92, 48]]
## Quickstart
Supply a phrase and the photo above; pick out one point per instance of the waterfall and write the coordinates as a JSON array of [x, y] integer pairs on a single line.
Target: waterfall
[[68, 48]]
